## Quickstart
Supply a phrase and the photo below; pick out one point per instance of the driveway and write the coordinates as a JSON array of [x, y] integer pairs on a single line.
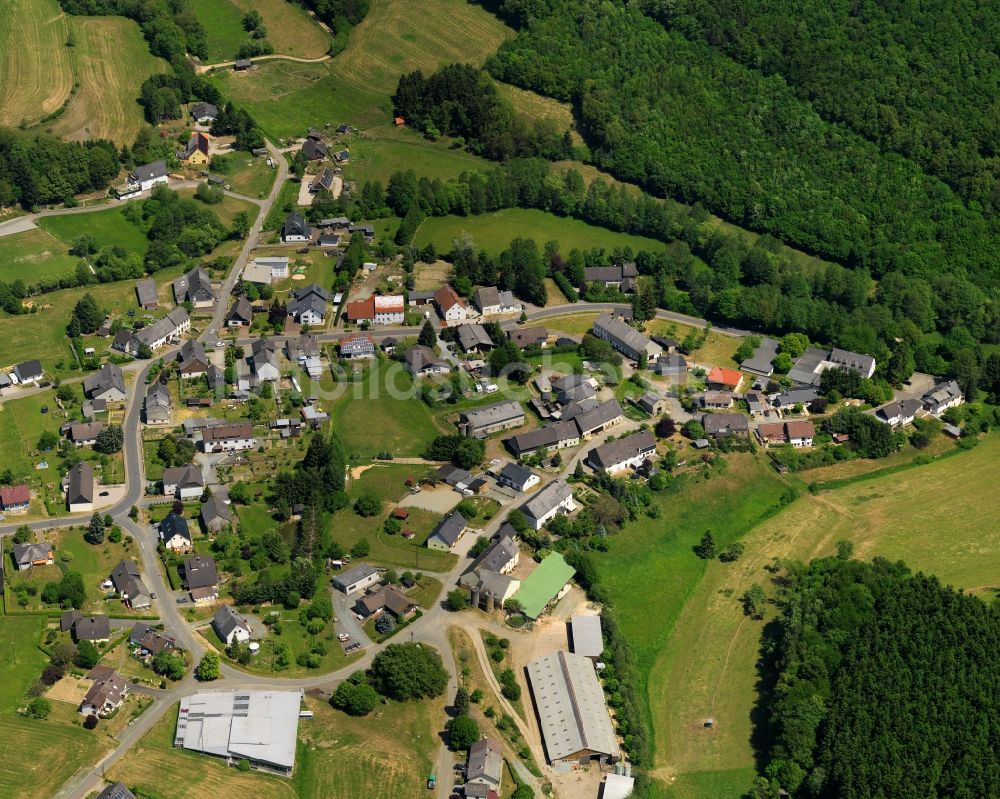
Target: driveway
[[343, 610]]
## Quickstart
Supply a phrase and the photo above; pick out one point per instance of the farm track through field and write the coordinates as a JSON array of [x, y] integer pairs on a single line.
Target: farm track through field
[[35, 72]]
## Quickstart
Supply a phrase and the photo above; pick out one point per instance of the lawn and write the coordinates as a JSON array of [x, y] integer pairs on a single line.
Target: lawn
[[651, 571], [493, 232], [33, 256], [94, 563], [574, 324], [36, 76], [289, 28], [58, 747], [714, 648], [111, 60], [108, 228], [381, 412], [228, 208], [247, 174], [718, 349]]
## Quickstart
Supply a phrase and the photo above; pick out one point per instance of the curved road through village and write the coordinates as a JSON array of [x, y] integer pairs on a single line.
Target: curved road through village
[[431, 628]]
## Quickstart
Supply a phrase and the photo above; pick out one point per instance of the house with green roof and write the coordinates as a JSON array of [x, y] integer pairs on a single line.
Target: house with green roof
[[545, 583]]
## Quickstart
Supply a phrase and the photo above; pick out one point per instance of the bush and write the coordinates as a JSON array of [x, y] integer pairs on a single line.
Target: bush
[[384, 624], [87, 655], [90, 722], [458, 599], [209, 669], [354, 698], [39, 708], [367, 505], [463, 732]]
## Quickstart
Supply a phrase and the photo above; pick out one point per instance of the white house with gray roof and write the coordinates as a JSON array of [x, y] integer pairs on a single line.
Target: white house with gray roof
[[482, 422], [942, 397], [627, 340], [629, 452], [555, 498], [447, 532], [108, 384]]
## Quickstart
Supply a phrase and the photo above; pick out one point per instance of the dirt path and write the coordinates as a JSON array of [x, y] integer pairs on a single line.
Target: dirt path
[[203, 68]]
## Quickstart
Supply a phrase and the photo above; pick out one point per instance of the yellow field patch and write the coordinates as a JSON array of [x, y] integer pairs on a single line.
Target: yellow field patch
[[35, 72], [111, 60], [69, 689], [397, 37]]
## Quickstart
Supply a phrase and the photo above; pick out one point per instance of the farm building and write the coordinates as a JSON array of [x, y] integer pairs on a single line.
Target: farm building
[[547, 582], [587, 638], [356, 578], [571, 708], [259, 726], [482, 422]]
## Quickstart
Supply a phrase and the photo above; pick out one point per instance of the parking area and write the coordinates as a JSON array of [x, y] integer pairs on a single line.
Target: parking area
[[440, 499]]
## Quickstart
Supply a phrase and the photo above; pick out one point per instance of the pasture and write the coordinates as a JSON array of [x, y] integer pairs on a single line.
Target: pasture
[[111, 60], [713, 648], [108, 228], [717, 350], [289, 28], [247, 174], [228, 208], [493, 232], [36, 76], [59, 748], [33, 256]]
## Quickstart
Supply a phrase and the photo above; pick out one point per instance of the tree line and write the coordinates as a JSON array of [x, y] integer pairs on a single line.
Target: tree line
[[708, 129], [884, 685]]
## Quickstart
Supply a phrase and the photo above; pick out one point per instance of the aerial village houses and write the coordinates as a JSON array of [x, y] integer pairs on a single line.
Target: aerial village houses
[[309, 305], [558, 435], [195, 287], [451, 307], [201, 578], [388, 598], [264, 270], [760, 362], [553, 499], [15, 498], [240, 314], [378, 309], [204, 113], [195, 153], [193, 360], [156, 404], [599, 419], [797, 433], [447, 532], [27, 373], [96, 629], [107, 384], [720, 425], [84, 434], [810, 365], [422, 362], [724, 379], [474, 338], [627, 340], [942, 397], [230, 626], [183, 482], [127, 582], [29, 555], [484, 770], [166, 330], [899, 413], [174, 533], [357, 345], [106, 695], [491, 302], [148, 175], [147, 294], [620, 276], [295, 229], [215, 514], [517, 477], [357, 578], [625, 453], [482, 422], [489, 579], [228, 437], [80, 488]]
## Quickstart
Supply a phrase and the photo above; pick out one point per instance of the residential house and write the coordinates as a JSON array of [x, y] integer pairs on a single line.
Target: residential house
[[149, 175], [529, 337], [717, 400], [228, 437], [503, 556], [552, 500], [447, 532], [174, 533], [230, 626], [793, 397], [484, 770], [148, 641], [624, 338], [619, 276], [557, 435], [29, 555], [724, 379], [27, 372], [388, 598], [295, 229], [378, 309], [183, 482], [357, 345], [301, 348], [126, 579], [15, 498], [85, 434], [573, 388], [116, 791], [164, 331], [760, 362], [322, 182], [195, 287], [309, 305], [474, 338], [899, 413], [457, 478], [451, 307], [108, 384], [422, 362], [315, 150], [329, 240], [810, 365], [96, 629], [720, 425], [215, 514], [356, 578], [216, 379], [517, 477], [204, 113], [80, 488], [193, 360], [845, 359], [156, 404], [491, 302], [368, 231], [797, 433], [196, 151], [482, 422], [240, 314], [653, 404], [201, 578], [625, 453], [105, 696], [942, 397], [599, 419], [147, 294]]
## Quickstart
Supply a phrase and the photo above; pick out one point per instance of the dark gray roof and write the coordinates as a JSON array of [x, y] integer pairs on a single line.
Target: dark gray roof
[[516, 473], [192, 355], [671, 363], [721, 424], [195, 286], [803, 371], [485, 762], [215, 508], [242, 310], [450, 528], [796, 396], [116, 791], [162, 327], [174, 524], [123, 573], [29, 553], [226, 620], [622, 449], [601, 415], [498, 413], [200, 572], [760, 362], [498, 555], [548, 436], [28, 370], [201, 110], [472, 336], [92, 628], [182, 476], [81, 484], [311, 297], [295, 225], [146, 292], [548, 498], [157, 169]]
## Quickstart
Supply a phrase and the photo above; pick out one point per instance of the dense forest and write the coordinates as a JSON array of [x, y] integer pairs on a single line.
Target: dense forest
[[917, 78], [684, 120], [886, 686]]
